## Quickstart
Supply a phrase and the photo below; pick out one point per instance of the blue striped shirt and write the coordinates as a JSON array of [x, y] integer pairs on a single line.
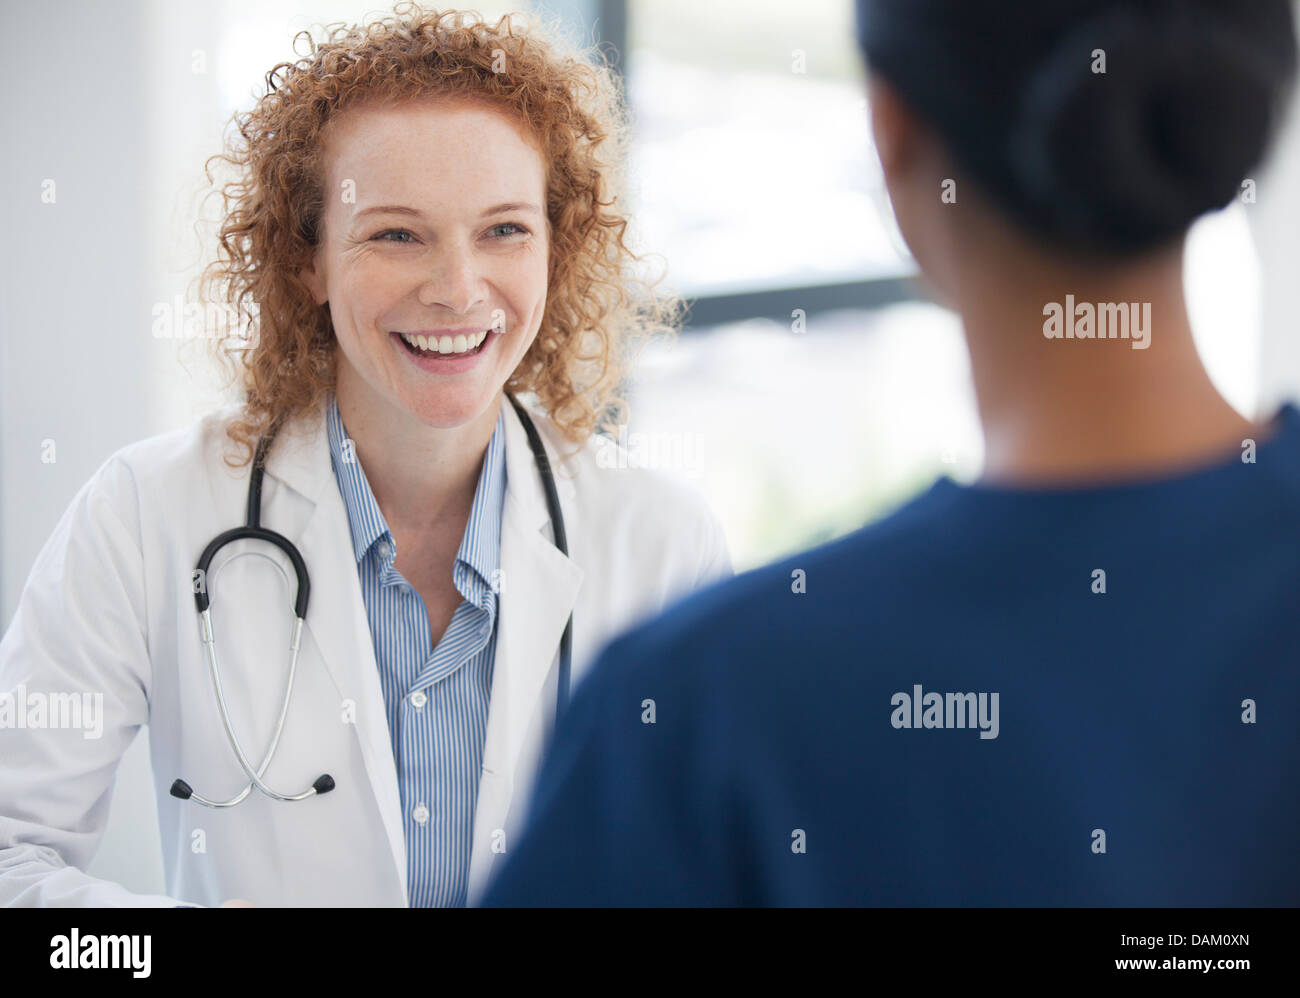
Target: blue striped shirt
[[436, 698]]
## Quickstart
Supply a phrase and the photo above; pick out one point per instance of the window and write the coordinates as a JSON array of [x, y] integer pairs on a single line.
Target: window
[[751, 155]]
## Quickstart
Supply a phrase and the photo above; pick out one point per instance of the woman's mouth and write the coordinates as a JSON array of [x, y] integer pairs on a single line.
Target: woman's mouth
[[446, 355], [459, 345]]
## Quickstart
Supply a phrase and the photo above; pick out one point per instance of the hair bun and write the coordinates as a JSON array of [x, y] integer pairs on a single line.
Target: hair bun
[[1125, 159]]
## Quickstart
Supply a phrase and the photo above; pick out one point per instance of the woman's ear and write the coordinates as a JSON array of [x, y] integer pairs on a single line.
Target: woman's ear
[[893, 127], [313, 280], [914, 166]]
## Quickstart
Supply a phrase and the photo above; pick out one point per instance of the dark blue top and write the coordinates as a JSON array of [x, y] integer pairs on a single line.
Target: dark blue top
[[1147, 747]]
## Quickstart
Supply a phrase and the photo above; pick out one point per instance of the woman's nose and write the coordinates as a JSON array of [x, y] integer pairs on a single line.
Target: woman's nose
[[455, 283]]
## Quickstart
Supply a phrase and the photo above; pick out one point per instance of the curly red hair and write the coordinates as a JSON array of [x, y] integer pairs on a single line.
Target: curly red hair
[[283, 348]]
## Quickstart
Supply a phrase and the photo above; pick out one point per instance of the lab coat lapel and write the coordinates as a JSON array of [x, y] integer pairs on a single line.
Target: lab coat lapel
[[539, 587], [336, 625]]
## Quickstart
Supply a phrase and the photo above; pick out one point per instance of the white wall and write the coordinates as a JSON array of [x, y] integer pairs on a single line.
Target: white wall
[[76, 371]]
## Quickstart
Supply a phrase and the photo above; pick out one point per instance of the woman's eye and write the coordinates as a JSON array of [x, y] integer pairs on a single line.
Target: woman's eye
[[505, 230], [383, 236]]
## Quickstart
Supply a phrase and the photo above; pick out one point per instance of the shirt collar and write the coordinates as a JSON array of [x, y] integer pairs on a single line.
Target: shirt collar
[[481, 545], [480, 548], [365, 521]]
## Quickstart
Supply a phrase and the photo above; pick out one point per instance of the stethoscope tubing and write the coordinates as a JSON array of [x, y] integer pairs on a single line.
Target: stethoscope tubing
[[561, 542], [209, 645], [252, 530]]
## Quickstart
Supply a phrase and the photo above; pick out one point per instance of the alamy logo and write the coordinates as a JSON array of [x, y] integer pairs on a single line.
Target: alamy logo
[[1105, 320], [945, 710], [667, 451], [77, 952], [76, 711]]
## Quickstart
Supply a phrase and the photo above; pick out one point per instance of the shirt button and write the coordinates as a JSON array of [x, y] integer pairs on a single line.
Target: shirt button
[[420, 814], [418, 700], [385, 549]]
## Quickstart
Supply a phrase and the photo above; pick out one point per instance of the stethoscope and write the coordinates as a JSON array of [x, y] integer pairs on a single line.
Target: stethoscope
[[253, 530]]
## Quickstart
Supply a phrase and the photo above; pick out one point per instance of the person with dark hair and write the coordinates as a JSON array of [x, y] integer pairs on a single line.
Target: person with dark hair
[[1073, 682]]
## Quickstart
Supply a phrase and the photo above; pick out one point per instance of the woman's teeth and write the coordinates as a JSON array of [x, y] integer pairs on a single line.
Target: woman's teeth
[[447, 344]]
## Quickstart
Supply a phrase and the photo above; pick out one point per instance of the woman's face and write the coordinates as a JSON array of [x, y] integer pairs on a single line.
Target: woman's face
[[434, 225]]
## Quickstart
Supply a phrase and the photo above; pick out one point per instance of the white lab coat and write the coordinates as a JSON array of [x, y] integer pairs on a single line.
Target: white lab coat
[[109, 608]]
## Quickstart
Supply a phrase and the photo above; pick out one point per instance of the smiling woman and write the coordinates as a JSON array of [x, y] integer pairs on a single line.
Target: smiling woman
[[385, 133], [442, 239], [422, 222]]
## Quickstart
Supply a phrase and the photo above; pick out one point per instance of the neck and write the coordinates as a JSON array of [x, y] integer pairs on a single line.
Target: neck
[[1063, 410], [422, 477]]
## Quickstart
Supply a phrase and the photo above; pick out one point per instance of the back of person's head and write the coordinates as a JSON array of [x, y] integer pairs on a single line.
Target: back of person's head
[[1102, 126]]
